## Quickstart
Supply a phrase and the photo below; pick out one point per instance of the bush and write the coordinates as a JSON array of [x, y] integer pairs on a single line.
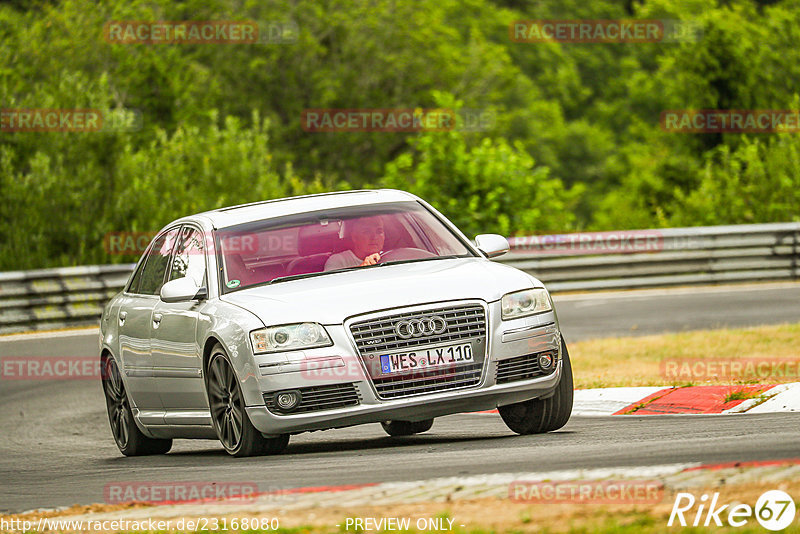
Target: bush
[[57, 214], [758, 182], [492, 187]]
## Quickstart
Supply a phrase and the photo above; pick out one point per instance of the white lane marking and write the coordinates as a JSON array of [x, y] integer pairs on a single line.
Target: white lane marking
[[52, 334]]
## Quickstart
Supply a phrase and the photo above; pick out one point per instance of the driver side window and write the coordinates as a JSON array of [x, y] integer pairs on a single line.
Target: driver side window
[[190, 257]]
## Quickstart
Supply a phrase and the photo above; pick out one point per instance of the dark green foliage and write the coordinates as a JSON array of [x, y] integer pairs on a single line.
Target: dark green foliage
[[576, 142]]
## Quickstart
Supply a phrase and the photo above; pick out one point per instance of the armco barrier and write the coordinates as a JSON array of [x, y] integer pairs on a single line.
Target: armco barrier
[[55, 298], [681, 256]]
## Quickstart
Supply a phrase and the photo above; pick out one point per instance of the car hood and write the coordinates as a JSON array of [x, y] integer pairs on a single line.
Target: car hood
[[332, 298]]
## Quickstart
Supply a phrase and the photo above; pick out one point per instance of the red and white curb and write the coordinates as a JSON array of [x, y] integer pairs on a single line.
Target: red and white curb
[[752, 398], [677, 477], [748, 398]]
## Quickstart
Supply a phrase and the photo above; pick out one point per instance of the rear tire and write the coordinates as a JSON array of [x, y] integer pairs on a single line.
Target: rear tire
[[406, 428], [129, 439], [543, 415], [228, 415]]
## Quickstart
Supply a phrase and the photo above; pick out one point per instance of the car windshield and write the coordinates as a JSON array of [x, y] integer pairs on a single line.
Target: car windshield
[[316, 243]]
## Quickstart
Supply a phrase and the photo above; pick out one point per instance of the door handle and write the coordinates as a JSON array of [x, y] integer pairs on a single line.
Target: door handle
[[157, 317], [122, 316]]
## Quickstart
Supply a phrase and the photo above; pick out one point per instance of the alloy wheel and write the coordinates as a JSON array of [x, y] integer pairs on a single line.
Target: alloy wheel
[[225, 399], [117, 400]]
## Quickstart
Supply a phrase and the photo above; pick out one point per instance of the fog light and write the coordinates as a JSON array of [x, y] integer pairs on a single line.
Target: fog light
[[287, 400], [546, 360]]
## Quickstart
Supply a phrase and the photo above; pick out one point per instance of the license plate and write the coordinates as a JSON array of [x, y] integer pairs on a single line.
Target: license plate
[[432, 358]]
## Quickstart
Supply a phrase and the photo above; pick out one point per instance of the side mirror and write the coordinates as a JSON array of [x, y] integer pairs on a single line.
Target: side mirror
[[182, 290], [492, 245]]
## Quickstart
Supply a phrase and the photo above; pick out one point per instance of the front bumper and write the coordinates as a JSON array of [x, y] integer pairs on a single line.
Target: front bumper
[[341, 364], [408, 409]]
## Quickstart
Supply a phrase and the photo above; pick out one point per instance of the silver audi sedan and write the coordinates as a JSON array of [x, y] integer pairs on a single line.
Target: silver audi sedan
[[251, 323]]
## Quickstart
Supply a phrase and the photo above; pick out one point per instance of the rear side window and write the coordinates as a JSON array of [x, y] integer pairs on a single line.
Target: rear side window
[[133, 287], [157, 261]]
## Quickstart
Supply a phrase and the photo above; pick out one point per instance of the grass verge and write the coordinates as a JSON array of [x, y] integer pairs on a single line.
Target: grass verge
[[765, 354]]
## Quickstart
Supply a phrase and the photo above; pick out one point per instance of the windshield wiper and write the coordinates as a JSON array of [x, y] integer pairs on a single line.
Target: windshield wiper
[[310, 275], [358, 268], [396, 262]]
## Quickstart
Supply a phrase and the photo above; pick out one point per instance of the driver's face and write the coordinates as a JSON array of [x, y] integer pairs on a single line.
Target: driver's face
[[368, 236]]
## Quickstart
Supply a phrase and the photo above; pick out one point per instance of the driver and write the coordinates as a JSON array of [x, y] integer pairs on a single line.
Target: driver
[[367, 237]]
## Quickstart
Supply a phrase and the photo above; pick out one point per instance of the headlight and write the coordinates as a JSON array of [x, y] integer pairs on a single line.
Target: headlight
[[524, 303], [289, 337]]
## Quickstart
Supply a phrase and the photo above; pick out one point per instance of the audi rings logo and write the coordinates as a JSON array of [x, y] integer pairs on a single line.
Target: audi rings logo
[[425, 326]]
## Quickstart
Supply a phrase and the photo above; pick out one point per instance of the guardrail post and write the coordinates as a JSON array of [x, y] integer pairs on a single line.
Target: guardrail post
[[796, 252]]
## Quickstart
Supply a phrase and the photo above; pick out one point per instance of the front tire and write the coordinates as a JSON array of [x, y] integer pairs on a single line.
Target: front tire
[[543, 415], [130, 440], [228, 415], [406, 428]]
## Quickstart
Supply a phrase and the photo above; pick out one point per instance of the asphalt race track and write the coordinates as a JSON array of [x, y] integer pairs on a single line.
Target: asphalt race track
[[56, 448], [635, 313]]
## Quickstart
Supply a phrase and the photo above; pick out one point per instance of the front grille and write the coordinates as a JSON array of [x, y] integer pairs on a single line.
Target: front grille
[[378, 335], [375, 337], [523, 368], [419, 383], [319, 398]]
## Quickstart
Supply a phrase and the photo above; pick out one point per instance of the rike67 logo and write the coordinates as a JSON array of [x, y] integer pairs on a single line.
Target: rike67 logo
[[774, 510]]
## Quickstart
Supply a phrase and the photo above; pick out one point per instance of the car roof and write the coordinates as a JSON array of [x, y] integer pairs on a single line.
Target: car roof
[[267, 209]]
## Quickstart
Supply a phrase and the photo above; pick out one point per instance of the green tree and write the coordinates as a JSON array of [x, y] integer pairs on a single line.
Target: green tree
[[492, 186]]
